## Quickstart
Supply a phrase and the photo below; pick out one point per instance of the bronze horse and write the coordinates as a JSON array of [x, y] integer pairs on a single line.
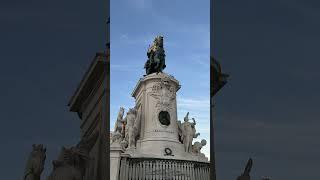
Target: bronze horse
[[156, 57]]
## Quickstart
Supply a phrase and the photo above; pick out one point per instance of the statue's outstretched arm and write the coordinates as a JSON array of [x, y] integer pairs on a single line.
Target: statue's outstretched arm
[[186, 118], [194, 121], [196, 135]]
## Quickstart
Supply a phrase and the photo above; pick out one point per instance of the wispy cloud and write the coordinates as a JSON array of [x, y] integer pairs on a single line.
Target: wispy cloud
[[192, 103], [196, 33], [202, 59], [145, 40], [126, 68]]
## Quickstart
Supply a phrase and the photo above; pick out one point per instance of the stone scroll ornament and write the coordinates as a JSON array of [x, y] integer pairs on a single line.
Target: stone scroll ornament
[[72, 162], [163, 92], [35, 163], [156, 57], [187, 132]]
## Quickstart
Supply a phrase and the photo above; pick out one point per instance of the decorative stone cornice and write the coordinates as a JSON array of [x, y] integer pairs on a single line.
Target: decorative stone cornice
[[97, 68], [154, 76]]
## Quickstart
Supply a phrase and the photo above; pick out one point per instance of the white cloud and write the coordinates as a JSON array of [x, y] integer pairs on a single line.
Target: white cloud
[[201, 59], [197, 104], [195, 33], [126, 68], [124, 36], [145, 39]]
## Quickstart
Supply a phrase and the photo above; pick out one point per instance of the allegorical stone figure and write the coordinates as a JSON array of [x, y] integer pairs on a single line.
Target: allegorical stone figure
[[118, 133], [188, 132], [119, 122], [131, 129], [156, 57], [197, 146], [35, 163]]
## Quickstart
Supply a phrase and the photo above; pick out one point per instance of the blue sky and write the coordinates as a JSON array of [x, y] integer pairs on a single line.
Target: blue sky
[[134, 24]]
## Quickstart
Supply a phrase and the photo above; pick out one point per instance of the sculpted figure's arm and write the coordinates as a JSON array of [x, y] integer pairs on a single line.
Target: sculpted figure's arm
[[196, 135], [194, 121], [186, 118]]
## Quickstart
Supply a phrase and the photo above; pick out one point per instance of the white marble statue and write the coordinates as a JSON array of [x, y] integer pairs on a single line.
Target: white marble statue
[[35, 163], [131, 129], [196, 147], [119, 122], [118, 133], [188, 132]]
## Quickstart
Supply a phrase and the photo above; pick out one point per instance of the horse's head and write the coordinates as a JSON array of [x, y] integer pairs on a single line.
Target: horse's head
[[35, 164], [158, 41]]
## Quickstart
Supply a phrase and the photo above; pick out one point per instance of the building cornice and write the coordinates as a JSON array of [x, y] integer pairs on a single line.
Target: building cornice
[[97, 68]]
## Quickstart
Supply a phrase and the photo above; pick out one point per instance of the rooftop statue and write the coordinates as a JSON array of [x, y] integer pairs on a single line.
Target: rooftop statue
[[72, 162], [246, 173], [35, 163], [156, 57]]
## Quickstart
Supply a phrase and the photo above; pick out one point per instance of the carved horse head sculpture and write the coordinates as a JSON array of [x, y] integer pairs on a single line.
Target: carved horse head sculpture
[[35, 163]]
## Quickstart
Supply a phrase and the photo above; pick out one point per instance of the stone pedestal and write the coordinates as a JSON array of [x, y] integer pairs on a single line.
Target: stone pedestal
[[115, 158], [155, 96]]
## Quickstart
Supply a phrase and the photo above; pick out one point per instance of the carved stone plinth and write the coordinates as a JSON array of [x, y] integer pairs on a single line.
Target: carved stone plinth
[[156, 103], [115, 157]]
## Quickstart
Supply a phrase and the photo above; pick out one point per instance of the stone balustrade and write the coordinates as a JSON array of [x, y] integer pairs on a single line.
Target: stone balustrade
[[162, 169]]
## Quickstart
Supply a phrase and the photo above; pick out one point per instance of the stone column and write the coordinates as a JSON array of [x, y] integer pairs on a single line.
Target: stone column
[[115, 158]]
